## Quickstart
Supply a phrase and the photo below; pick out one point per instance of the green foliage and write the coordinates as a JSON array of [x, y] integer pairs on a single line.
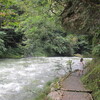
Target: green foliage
[[43, 93], [46, 90], [70, 63], [59, 66], [43, 33], [2, 34], [8, 13], [9, 39], [39, 21], [96, 44], [96, 50], [2, 45], [83, 46], [44, 36], [8, 43], [92, 79], [13, 53]]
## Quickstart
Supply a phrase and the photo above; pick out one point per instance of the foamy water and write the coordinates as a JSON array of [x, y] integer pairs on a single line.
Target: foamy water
[[21, 79]]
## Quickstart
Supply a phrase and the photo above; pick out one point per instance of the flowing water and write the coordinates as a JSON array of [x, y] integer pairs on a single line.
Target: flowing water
[[21, 79]]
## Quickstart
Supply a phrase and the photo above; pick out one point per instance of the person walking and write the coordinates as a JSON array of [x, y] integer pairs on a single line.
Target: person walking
[[81, 67]]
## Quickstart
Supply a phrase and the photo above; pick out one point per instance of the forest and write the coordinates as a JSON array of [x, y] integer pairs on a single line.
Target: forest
[[52, 28], [39, 28]]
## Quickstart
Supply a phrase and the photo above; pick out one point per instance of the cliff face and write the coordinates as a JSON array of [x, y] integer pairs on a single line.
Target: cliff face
[[81, 16]]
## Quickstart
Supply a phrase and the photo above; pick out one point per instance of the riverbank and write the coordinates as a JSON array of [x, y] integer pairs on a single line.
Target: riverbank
[[72, 89], [25, 77], [42, 95], [53, 89], [50, 86], [91, 80]]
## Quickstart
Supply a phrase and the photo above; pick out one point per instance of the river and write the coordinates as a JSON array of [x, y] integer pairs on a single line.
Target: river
[[21, 79]]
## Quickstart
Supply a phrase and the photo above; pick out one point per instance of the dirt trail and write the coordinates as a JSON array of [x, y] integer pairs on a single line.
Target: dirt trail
[[72, 89]]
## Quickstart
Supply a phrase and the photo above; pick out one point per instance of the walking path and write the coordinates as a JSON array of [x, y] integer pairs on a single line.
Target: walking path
[[72, 89]]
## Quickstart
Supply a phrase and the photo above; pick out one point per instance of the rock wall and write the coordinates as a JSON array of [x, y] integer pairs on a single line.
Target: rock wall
[[81, 16]]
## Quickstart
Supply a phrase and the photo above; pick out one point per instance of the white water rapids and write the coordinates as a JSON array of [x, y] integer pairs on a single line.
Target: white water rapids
[[21, 79]]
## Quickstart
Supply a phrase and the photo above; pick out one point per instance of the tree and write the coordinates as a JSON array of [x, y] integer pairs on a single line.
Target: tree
[[2, 46], [9, 12]]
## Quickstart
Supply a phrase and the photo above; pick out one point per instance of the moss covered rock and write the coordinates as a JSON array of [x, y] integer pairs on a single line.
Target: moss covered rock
[[81, 16]]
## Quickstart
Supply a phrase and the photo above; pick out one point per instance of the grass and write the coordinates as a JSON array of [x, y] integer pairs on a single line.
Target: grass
[[42, 95], [92, 78]]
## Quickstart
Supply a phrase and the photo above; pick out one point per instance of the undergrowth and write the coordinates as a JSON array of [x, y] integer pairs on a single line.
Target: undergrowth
[[43, 94], [92, 78]]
